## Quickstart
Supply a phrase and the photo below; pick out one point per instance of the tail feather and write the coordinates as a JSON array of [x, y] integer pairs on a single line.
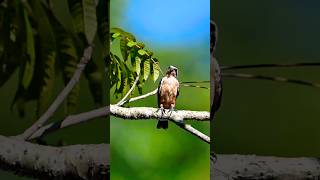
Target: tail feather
[[162, 124]]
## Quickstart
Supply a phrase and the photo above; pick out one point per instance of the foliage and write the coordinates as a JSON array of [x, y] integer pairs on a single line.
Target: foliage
[[41, 39], [141, 65]]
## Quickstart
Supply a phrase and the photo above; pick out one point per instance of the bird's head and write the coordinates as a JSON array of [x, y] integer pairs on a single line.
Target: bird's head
[[173, 71]]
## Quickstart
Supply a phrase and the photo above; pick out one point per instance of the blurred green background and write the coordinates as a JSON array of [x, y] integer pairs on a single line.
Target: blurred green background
[[263, 117], [178, 33]]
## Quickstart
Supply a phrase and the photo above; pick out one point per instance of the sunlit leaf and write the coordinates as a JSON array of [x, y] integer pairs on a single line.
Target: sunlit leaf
[[142, 52], [137, 64], [146, 69], [155, 71], [131, 43]]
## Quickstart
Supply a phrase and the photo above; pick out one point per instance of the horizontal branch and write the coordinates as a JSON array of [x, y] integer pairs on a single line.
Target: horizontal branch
[[128, 113], [154, 113], [264, 167], [47, 162], [148, 113]]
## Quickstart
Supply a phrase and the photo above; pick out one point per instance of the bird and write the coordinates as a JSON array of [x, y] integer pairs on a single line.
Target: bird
[[168, 91], [215, 79], [215, 75]]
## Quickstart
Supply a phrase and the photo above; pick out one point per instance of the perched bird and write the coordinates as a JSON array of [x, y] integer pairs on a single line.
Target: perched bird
[[168, 91], [215, 75], [215, 78]]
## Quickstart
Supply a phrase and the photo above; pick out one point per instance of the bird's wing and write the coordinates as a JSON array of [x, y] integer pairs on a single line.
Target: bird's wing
[[159, 91], [178, 89]]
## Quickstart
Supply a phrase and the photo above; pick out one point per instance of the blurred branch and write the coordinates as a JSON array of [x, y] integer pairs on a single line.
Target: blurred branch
[[63, 94], [47, 162], [71, 121], [271, 78], [255, 66], [248, 167], [123, 100]]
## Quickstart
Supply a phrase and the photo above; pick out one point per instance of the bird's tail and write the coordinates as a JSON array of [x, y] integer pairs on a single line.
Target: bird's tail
[[162, 124]]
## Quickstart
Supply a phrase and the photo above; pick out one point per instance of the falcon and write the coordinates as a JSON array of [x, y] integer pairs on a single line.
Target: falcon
[[168, 91]]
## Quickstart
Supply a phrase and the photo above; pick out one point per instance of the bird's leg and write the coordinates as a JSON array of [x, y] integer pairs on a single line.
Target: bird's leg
[[162, 110], [172, 108]]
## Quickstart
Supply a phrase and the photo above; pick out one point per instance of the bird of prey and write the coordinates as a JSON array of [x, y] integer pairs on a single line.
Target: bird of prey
[[215, 75], [215, 78], [168, 91]]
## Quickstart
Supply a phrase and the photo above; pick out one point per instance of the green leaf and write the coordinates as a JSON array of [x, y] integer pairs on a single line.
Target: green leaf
[[116, 30], [131, 43], [103, 28], [30, 61], [124, 48], [155, 71], [60, 10], [142, 52], [115, 35], [68, 61], [137, 64], [46, 58], [119, 77], [90, 19], [46, 90], [146, 69]]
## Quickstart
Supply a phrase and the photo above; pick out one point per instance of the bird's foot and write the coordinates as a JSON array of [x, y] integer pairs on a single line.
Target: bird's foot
[[161, 109], [170, 111]]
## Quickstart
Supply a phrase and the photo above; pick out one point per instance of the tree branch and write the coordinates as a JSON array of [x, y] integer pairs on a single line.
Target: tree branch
[[251, 167], [176, 116], [71, 121], [69, 162], [194, 131], [141, 97], [64, 93], [147, 113], [128, 113]]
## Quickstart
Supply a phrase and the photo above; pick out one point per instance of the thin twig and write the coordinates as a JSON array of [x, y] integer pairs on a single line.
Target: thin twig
[[63, 94], [188, 82], [270, 78], [270, 65], [141, 97], [71, 121], [122, 101]]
